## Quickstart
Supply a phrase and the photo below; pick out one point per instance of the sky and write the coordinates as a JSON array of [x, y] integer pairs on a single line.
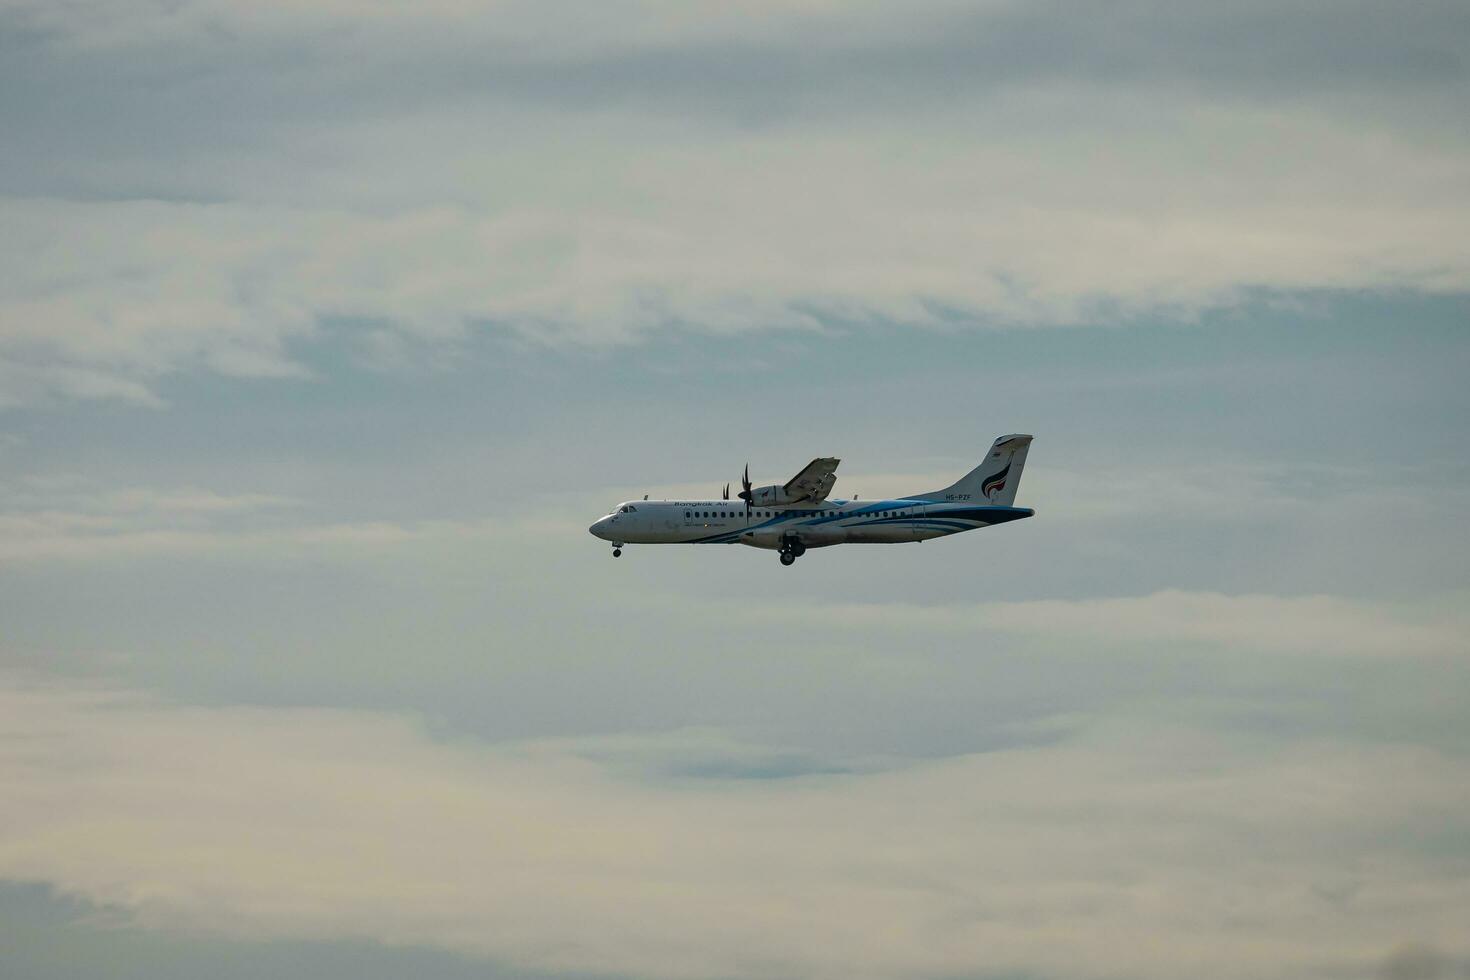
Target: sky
[[326, 329]]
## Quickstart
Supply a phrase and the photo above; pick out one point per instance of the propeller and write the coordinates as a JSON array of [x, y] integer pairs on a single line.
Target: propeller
[[727, 492], [745, 494]]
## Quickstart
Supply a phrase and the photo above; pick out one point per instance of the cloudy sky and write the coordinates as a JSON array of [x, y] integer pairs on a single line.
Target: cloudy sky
[[326, 328]]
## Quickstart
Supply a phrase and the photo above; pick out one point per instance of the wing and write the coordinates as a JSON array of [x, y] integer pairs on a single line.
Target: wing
[[815, 480]]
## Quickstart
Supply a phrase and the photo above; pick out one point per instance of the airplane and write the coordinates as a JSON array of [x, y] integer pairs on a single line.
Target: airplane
[[792, 517]]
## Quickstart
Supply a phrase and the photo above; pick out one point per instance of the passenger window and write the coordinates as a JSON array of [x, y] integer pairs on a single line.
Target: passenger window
[[686, 515]]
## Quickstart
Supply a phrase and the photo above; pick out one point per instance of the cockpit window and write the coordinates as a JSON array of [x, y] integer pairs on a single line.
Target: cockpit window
[[627, 509]]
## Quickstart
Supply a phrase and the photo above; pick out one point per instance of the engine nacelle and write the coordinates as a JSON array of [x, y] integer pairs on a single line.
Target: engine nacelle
[[772, 496], [778, 496]]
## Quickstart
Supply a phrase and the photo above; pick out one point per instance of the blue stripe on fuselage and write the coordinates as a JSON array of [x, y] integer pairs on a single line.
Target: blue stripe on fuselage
[[943, 515]]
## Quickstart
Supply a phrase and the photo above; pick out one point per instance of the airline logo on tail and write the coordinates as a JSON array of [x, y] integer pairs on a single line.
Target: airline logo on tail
[[996, 483]]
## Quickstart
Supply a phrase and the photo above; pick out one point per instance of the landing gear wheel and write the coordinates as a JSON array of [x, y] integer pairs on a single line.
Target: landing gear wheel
[[791, 549], [617, 552]]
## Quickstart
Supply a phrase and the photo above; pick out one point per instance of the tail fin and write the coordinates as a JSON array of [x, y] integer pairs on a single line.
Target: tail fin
[[996, 478]]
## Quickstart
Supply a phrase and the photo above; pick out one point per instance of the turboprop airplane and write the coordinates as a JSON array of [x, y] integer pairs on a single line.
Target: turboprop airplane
[[790, 518]]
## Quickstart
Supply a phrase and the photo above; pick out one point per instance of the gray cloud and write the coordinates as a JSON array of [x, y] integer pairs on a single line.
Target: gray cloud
[[51, 937], [410, 295], [461, 171], [295, 824], [768, 62]]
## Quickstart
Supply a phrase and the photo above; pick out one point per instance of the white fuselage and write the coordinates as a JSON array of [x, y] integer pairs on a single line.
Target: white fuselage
[[813, 526]]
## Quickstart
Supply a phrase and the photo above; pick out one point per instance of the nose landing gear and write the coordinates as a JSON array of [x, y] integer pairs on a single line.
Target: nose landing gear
[[617, 549]]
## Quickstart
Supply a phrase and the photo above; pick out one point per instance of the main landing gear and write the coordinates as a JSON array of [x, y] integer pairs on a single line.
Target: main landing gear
[[791, 549]]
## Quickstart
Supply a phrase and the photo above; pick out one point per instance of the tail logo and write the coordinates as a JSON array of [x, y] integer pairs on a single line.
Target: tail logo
[[996, 483]]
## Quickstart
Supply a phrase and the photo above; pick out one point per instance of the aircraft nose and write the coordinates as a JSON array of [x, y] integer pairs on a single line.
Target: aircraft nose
[[598, 526]]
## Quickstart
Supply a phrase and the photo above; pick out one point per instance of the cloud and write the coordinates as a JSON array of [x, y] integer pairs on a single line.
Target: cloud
[[188, 500], [1277, 624], [1150, 850], [25, 384], [71, 519], [139, 523], [62, 518], [68, 536], [199, 190], [625, 47], [1416, 962]]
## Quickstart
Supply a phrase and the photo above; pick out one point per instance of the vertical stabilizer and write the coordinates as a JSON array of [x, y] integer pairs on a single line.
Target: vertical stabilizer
[[994, 481]]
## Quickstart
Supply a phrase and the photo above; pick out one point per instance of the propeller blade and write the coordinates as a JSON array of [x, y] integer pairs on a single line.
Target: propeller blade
[[745, 493], [727, 492]]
